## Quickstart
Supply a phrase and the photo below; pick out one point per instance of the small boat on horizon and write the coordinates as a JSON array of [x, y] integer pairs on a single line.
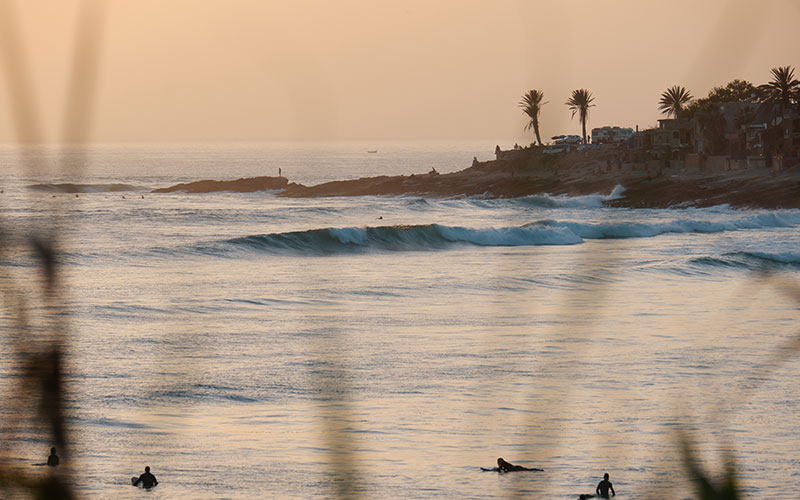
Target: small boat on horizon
[[373, 151]]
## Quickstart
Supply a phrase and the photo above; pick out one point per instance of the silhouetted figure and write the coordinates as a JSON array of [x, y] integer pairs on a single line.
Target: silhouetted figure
[[148, 480], [585, 497], [279, 172], [52, 460], [503, 466], [604, 486]]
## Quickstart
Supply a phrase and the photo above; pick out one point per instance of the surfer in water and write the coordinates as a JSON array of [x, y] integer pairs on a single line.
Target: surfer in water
[[604, 486], [148, 480], [503, 466], [52, 460]]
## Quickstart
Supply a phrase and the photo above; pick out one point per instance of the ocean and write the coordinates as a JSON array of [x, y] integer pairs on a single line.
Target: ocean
[[251, 346]]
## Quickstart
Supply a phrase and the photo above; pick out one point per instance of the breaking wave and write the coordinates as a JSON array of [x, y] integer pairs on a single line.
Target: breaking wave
[[402, 238], [564, 201], [435, 236]]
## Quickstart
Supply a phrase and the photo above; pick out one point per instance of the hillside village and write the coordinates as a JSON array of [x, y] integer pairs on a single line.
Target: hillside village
[[737, 127], [739, 146]]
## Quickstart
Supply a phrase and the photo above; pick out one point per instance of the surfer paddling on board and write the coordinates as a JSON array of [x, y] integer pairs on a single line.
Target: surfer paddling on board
[[503, 466], [148, 480]]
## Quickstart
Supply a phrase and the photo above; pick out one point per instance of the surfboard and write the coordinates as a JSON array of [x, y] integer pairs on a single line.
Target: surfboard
[[140, 485], [495, 469]]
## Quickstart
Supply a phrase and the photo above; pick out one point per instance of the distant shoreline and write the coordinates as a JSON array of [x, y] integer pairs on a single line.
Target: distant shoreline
[[530, 172]]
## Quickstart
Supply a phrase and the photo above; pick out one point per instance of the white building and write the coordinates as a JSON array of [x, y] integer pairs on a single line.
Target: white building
[[566, 139], [611, 135]]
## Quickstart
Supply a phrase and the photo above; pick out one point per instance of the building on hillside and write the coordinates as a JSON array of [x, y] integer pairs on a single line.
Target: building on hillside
[[673, 138], [754, 143], [781, 139], [563, 144], [611, 135], [643, 139], [722, 129], [566, 139]]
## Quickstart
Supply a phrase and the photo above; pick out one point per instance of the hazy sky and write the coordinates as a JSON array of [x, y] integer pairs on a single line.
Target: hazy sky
[[176, 70]]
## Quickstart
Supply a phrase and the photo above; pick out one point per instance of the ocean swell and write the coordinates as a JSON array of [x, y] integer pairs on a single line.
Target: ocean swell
[[753, 261], [402, 238], [773, 259], [626, 229]]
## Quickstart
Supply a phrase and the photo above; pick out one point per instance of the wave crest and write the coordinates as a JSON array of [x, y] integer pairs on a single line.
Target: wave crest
[[403, 238], [541, 232]]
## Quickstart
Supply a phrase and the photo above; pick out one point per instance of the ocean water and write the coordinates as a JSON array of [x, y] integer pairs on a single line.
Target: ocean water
[[250, 346]]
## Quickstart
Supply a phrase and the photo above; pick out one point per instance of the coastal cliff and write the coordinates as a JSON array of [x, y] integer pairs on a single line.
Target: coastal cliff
[[530, 172], [248, 185]]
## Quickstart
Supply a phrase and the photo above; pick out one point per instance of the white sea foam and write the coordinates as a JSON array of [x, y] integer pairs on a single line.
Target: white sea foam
[[563, 201]]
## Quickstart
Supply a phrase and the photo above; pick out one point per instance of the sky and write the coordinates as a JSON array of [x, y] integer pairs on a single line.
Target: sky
[[262, 70]]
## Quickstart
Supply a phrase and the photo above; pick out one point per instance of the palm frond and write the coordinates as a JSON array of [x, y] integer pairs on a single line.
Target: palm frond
[[782, 91], [673, 100], [579, 102], [531, 105]]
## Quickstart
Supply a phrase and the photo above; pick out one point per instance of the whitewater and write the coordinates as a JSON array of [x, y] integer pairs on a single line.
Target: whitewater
[[253, 346]]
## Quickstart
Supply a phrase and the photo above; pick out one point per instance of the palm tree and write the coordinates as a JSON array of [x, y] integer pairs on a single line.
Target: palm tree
[[673, 100], [782, 91], [531, 104], [580, 102]]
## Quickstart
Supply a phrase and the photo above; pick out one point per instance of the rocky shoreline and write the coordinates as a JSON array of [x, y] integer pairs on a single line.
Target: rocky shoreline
[[533, 173]]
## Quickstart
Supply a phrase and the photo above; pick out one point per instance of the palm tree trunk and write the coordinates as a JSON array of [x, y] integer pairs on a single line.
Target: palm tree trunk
[[583, 127], [536, 131]]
